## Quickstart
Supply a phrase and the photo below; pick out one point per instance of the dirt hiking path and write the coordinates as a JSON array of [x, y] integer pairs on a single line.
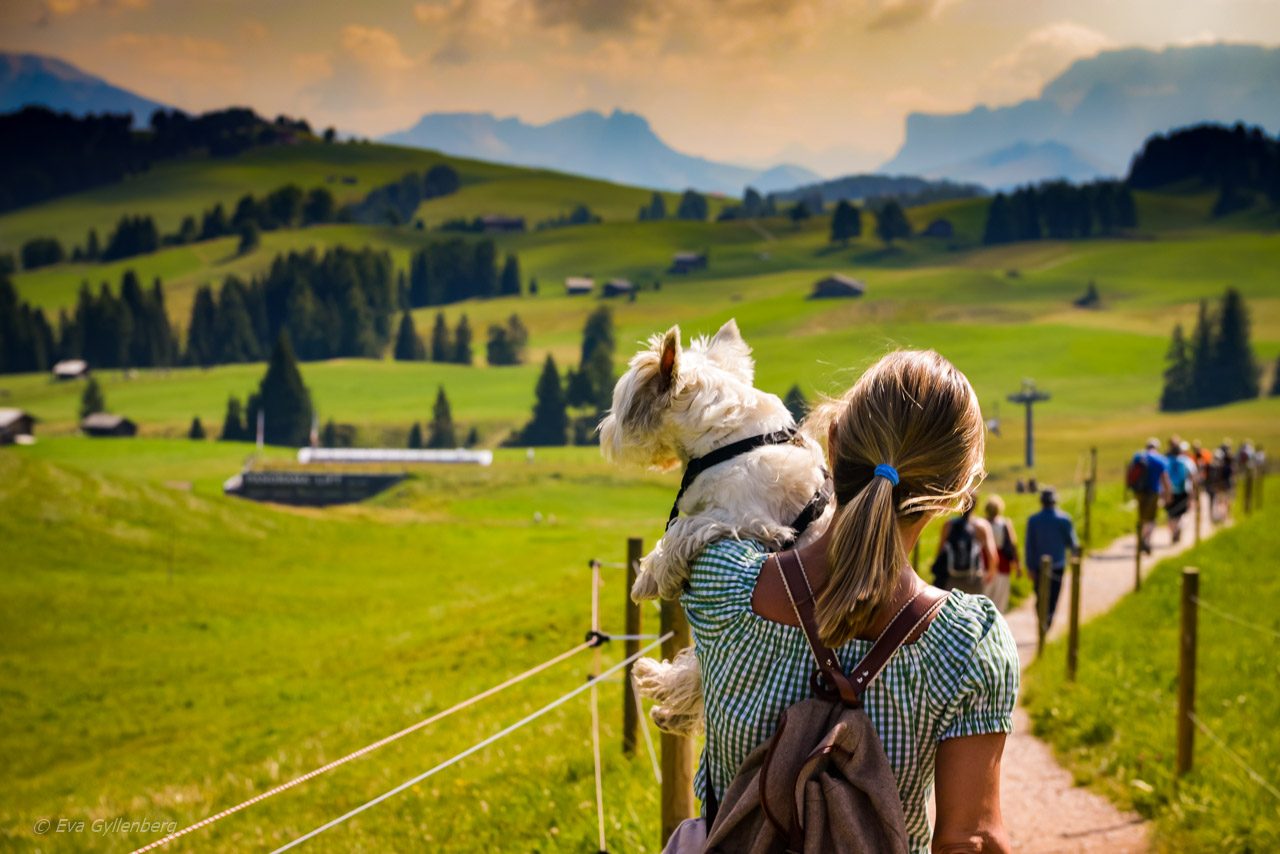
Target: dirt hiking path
[[1043, 811]]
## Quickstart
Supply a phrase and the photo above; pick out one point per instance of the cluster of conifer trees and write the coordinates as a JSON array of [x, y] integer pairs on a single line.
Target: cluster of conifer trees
[[1217, 365], [589, 389], [396, 203], [1240, 162], [45, 154], [125, 330], [336, 304], [455, 269], [1057, 210]]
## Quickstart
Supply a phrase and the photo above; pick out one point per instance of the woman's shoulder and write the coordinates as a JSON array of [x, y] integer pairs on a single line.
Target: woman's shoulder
[[730, 555], [968, 626]]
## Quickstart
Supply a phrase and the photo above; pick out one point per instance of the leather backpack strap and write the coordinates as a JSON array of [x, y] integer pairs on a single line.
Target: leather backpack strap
[[918, 612], [801, 595]]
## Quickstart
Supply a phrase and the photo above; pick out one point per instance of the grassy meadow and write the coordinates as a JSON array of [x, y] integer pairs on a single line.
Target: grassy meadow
[[1115, 728], [168, 651]]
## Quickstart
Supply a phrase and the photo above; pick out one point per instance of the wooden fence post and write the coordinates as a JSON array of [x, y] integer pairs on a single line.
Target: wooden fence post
[[630, 709], [1248, 490], [1073, 632], [1090, 488], [677, 751], [1042, 601], [1137, 552], [1197, 495], [1187, 668]]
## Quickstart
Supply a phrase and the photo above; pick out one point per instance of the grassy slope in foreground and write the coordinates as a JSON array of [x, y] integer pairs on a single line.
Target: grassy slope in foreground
[[165, 654], [1115, 728]]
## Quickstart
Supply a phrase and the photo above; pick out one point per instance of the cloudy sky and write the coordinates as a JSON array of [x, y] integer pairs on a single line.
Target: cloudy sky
[[746, 80]]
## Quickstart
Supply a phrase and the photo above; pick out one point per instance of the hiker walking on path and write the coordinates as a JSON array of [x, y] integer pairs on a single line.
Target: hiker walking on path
[[1050, 532], [966, 558], [1220, 483], [1148, 477], [905, 446], [1007, 562], [1182, 483]]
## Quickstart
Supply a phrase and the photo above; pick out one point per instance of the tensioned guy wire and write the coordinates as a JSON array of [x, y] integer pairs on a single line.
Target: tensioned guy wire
[[478, 746]]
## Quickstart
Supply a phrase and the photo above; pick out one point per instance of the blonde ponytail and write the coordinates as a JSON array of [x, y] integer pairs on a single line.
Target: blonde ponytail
[[915, 412]]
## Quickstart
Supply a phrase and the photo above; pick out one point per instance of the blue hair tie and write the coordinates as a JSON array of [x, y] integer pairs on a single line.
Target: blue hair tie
[[887, 472]]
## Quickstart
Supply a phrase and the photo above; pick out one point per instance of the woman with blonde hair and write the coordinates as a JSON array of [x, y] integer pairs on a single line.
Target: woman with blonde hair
[[1006, 545], [905, 445]]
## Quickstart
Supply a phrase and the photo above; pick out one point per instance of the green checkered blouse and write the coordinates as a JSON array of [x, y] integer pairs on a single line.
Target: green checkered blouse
[[959, 678]]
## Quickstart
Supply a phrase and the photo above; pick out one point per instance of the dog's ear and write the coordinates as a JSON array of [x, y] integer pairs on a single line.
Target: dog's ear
[[730, 352], [669, 359]]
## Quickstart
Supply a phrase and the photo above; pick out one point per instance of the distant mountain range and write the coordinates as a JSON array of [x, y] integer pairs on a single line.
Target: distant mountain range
[[618, 147], [1090, 120], [27, 78]]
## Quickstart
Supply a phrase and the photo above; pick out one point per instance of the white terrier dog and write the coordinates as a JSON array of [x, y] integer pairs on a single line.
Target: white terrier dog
[[749, 474]]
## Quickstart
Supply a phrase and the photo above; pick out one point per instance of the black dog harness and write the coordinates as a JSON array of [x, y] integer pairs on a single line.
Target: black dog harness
[[698, 465]]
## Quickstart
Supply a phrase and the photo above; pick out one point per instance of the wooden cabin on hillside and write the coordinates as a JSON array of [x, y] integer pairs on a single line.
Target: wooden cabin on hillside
[[837, 286], [617, 288], [15, 423], [502, 224], [579, 286], [71, 369], [688, 262], [104, 425]]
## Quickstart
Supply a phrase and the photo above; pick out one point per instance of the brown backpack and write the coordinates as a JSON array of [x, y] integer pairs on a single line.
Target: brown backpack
[[822, 783]]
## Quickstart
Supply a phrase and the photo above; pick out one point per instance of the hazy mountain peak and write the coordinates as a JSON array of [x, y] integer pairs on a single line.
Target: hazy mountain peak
[[1100, 110], [31, 79], [617, 146]]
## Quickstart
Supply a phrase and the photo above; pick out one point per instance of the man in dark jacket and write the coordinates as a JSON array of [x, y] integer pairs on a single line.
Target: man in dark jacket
[[1050, 532]]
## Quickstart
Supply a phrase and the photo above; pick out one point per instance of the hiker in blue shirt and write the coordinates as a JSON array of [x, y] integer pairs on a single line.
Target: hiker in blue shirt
[[1148, 477], [1050, 532]]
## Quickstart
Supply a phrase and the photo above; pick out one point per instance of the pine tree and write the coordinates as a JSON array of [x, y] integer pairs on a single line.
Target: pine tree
[[498, 347], [1178, 375], [1202, 372], [462, 343], [533, 287], [94, 249], [233, 426], [1233, 359], [202, 341], [473, 437], [999, 227], [233, 334], [1275, 379], [441, 344], [693, 206], [797, 404], [250, 239], [329, 435], [92, 400], [892, 223], [510, 281], [441, 432], [550, 423], [409, 346], [285, 400], [415, 436], [597, 332], [197, 429], [846, 222], [518, 335], [577, 389], [599, 373]]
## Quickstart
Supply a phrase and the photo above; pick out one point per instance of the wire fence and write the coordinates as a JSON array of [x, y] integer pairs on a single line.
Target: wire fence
[[1232, 618], [595, 639]]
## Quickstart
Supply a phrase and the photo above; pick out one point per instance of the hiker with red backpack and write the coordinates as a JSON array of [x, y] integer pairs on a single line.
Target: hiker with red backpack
[[914, 687], [1148, 478], [1007, 562]]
